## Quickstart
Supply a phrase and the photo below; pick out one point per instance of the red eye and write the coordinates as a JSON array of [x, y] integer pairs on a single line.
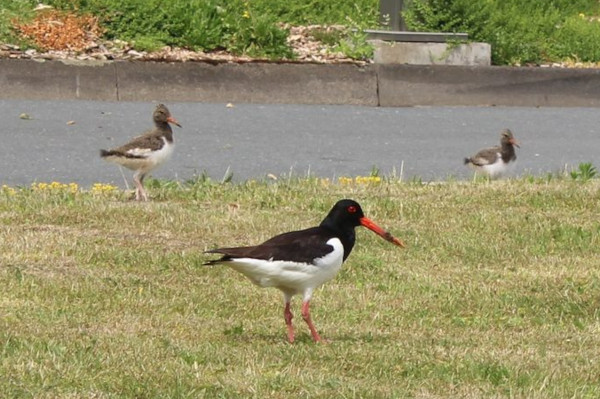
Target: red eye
[[351, 209]]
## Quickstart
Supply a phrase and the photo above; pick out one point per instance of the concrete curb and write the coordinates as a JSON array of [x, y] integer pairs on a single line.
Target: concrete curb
[[372, 85], [408, 85]]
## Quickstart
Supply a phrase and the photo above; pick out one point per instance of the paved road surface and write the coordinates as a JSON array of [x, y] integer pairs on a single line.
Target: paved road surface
[[255, 140]]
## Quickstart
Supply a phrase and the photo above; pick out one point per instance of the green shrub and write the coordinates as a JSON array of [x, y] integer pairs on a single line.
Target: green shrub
[[519, 31], [446, 15], [255, 34], [364, 13], [578, 37], [354, 44]]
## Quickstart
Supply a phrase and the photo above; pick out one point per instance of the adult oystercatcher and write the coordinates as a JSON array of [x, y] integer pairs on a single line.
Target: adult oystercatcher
[[496, 161], [300, 261], [144, 153]]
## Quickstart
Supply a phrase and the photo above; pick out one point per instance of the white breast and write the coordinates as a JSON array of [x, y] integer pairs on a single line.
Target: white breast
[[498, 168], [160, 156]]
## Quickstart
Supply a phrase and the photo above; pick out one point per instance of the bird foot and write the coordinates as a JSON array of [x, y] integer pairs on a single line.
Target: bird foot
[[140, 195]]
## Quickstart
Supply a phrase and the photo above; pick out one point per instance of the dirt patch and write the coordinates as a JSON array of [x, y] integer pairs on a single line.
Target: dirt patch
[[56, 30]]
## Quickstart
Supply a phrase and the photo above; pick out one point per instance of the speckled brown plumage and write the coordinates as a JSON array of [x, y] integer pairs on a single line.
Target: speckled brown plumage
[[495, 161], [144, 153]]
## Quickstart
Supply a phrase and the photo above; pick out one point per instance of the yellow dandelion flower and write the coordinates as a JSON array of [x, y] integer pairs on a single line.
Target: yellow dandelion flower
[[368, 179], [39, 186], [345, 180], [103, 189], [56, 186], [246, 14], [8, 190]]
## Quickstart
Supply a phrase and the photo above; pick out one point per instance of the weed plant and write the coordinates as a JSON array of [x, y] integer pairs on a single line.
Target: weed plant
[[584, 172]]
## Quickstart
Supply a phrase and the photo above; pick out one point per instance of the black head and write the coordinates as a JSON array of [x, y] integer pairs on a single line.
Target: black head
[[507, 138], [345, 214], [162, 116]]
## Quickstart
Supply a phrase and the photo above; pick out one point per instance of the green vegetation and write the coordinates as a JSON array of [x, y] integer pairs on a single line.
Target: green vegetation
[[496, 294], [240, 26], [584, 172], [519, 31], [11, 10]]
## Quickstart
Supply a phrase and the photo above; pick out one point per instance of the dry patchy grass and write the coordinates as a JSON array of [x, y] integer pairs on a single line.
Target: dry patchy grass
[[497, 294]]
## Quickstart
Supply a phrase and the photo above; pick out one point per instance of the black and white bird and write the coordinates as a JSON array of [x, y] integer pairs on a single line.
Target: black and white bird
[[496, 161], [144, 153], [300, 261]]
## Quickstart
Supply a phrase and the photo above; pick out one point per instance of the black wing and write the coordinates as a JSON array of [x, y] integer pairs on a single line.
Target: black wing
[[298, 246]]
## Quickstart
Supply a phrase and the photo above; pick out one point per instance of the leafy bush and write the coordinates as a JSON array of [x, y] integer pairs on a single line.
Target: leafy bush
[[520, 32], [362, 13], [578, 37]]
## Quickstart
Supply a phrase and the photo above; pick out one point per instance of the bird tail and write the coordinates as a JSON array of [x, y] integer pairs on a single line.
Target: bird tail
[[105, 153], [227, 254], [467, 161], [214, 261]]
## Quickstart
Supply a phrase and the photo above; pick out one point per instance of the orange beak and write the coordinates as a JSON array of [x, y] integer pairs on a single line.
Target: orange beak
[[172, 120], [369, 224], [515, 143]]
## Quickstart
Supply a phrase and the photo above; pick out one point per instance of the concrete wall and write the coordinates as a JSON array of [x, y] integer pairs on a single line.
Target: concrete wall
[[250, 83], [417, 53], [189, 81], [372, 85], [37, 80], [409, 85]]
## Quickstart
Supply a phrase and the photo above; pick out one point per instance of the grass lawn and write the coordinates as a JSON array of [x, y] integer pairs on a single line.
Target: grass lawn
[[496, 295]]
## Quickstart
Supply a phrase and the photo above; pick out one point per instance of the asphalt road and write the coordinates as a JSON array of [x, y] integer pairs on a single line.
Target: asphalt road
[[255, 140]]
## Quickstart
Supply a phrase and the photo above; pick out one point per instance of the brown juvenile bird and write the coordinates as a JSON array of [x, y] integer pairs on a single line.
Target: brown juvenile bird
[[496, 161], [144, 153]]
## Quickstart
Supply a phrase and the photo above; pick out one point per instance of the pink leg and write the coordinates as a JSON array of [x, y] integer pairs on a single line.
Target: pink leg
[[143, 193], [140, 193], [287, 313], [306, 317]]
